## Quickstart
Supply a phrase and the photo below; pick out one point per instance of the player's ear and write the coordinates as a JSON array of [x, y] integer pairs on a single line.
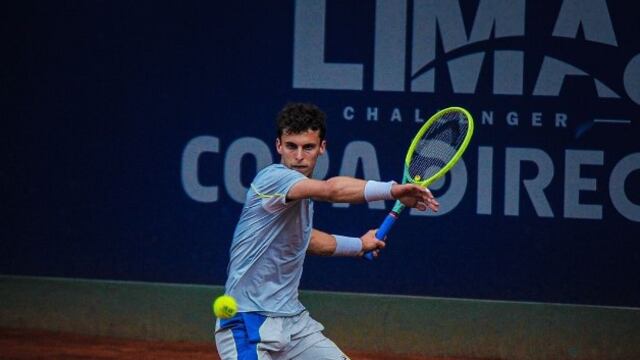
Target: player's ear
[[323, 146], [279, 146]]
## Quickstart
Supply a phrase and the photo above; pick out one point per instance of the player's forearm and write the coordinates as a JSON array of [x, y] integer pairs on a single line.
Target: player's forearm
[[324, 244], [343, 189], [321, 243]]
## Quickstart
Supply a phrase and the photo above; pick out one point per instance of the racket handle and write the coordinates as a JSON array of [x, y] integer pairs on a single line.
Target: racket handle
[[383, 230]]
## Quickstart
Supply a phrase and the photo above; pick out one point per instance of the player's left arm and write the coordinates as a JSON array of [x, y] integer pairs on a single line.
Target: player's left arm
[[336, 189], [325, 244], [344, 189]]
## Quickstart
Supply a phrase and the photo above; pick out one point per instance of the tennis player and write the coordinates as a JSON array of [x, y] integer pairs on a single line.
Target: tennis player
[[275, 232]]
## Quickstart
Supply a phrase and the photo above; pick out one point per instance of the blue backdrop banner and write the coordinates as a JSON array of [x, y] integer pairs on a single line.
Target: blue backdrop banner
[[133, 130]]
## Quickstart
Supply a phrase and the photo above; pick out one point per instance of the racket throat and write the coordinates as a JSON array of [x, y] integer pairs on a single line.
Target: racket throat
[[397, 208]]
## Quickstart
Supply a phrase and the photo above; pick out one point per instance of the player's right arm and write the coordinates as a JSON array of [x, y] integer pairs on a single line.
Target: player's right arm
[[324, 244], [343, 189]]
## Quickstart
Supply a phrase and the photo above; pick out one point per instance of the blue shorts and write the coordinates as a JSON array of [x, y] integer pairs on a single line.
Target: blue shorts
[[251, 336]]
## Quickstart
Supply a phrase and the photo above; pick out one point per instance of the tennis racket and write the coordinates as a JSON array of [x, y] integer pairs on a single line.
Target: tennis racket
[[435, 149]]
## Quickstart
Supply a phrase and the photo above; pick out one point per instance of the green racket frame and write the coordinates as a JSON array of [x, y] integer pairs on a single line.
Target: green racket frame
[[398, 206]]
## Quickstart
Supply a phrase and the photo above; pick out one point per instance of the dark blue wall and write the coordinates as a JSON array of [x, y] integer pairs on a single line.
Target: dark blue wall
[[131, 128]]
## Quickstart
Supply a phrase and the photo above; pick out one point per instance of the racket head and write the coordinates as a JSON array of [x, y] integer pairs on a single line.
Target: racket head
[[438, 145]]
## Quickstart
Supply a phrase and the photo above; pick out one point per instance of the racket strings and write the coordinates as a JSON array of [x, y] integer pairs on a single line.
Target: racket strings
[[438, 145]]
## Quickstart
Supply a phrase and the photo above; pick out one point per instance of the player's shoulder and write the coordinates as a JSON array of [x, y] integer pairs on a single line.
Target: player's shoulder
[[275, 179], [274, 168], [272, 184], [275, 172]]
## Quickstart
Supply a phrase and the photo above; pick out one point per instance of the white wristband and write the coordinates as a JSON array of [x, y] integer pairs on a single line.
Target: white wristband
[[377, 190], [347, 246]]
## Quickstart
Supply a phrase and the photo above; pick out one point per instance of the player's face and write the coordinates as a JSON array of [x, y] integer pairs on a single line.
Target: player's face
[[300, 151]]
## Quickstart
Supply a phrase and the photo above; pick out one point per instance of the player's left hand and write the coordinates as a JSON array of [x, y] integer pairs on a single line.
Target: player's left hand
[[415, 196]]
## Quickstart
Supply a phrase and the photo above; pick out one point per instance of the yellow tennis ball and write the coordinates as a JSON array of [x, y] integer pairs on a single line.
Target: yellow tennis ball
[[225, 307], [417, 178]]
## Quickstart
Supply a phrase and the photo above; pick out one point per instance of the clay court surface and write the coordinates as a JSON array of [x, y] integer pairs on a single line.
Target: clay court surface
[[37, 344]]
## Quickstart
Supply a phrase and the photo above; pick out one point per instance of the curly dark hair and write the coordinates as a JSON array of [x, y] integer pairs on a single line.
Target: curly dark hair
[[296, 118]]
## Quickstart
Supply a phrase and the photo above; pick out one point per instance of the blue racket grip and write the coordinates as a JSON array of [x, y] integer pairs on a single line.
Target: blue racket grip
[[383, 230]]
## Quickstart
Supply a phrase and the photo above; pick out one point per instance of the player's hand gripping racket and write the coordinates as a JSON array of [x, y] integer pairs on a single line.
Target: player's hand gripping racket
[[435, 149]]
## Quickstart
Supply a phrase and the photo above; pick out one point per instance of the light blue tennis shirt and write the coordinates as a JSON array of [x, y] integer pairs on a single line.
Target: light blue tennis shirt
[[269, 245]]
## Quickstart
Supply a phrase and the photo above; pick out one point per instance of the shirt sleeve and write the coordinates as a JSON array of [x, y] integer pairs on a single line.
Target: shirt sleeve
[[273, 184]]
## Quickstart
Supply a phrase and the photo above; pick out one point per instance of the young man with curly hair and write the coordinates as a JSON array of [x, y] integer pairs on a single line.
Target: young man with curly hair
[[275, 232]]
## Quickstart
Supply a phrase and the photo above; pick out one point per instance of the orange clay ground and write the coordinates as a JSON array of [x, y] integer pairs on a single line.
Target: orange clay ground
[[38, 344]]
